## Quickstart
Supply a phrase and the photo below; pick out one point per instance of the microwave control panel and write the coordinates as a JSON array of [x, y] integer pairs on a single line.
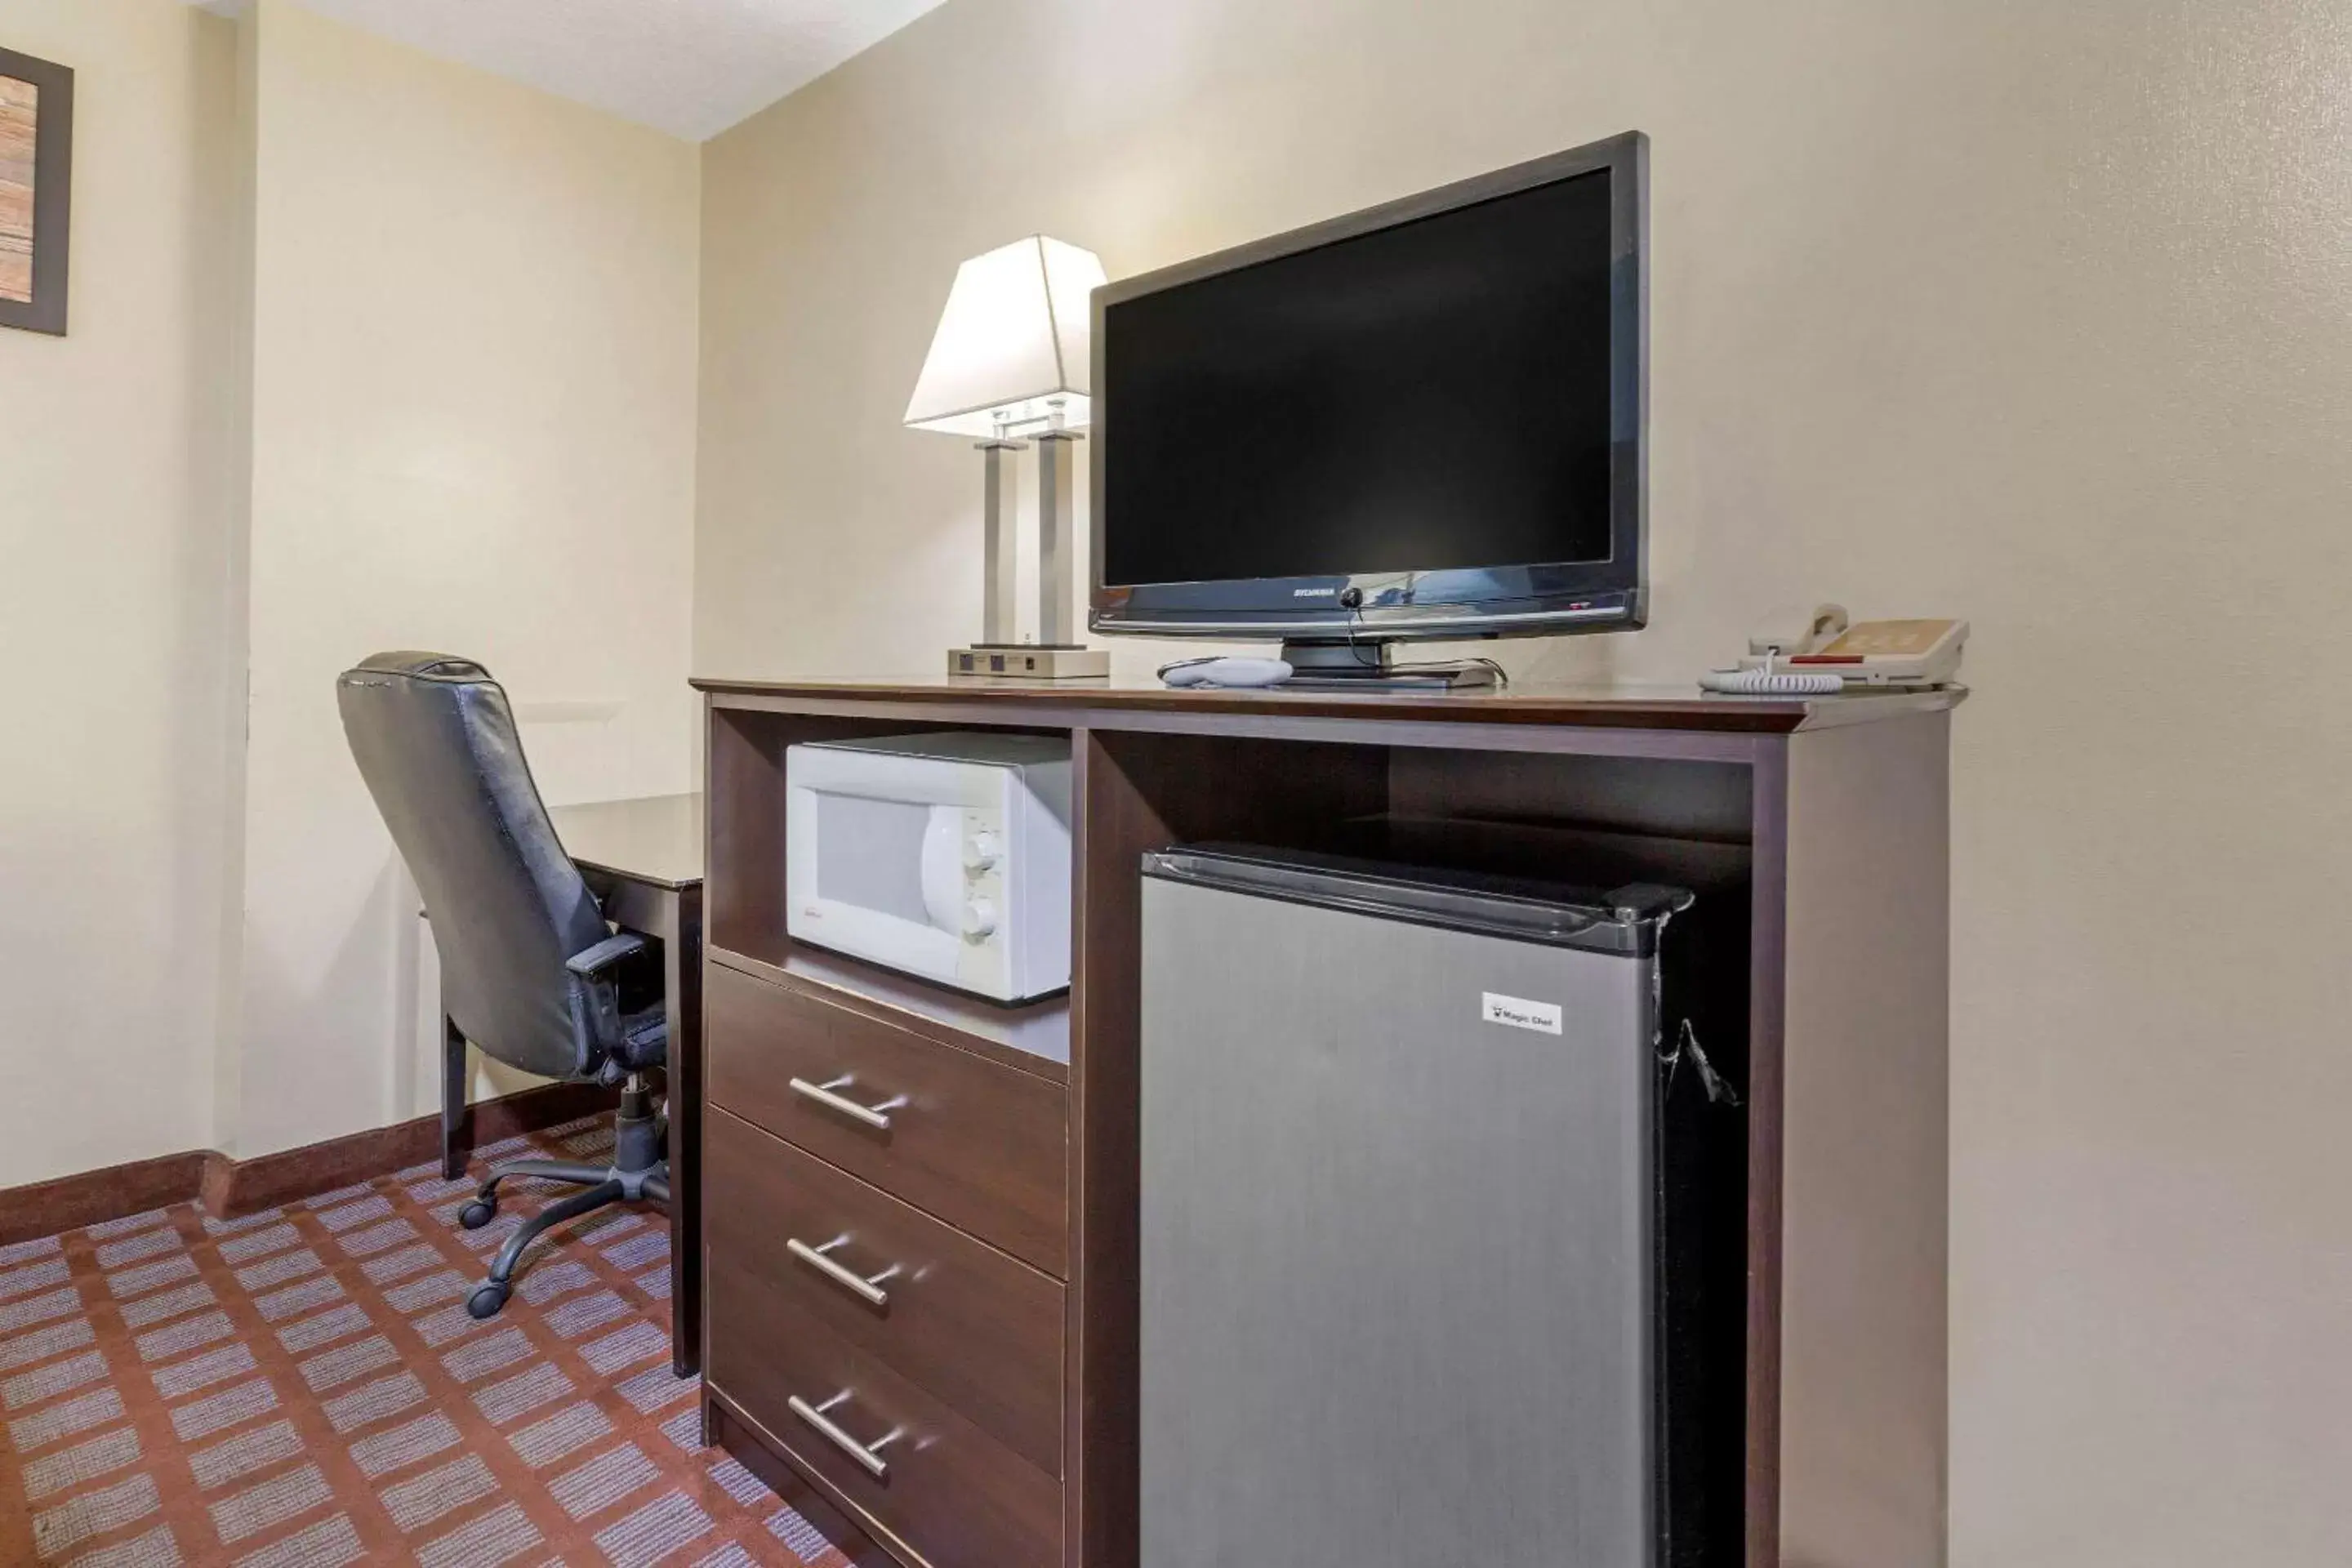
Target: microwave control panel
[[984, 878]]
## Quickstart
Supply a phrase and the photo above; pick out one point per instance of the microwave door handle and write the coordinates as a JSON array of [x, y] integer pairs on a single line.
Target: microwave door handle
[[943, 867]]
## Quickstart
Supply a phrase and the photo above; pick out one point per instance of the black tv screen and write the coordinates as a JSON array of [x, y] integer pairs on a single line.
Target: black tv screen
[[1434, 395]]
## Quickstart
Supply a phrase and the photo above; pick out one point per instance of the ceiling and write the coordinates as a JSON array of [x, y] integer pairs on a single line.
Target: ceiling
[[691, 68]]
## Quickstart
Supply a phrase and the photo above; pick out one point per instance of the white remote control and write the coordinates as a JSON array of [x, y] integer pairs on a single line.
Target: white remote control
[[1226, 672]]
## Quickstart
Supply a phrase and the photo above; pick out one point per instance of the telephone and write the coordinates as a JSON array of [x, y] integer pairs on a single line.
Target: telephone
[[1797, 653]]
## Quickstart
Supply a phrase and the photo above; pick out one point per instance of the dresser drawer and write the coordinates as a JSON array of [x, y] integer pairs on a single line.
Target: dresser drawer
[[961, 1318], [982, 1147], [929, 1480]]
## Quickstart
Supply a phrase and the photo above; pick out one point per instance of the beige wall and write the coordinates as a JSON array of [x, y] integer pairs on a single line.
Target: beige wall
[[117, 521], [2038, 314], [367, 352], [474, 395]]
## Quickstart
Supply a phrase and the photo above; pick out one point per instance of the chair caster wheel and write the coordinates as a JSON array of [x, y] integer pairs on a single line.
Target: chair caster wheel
[[474, 1217], [485, 1301]]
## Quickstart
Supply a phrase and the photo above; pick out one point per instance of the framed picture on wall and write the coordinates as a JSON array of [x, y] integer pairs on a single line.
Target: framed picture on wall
[[36, 181]]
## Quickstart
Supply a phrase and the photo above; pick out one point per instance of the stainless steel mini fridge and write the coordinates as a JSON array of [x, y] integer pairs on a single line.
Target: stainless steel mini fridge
[[1399, 1254]]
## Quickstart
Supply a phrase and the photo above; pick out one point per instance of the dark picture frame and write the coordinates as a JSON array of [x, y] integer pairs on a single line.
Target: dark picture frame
[[51, 205]]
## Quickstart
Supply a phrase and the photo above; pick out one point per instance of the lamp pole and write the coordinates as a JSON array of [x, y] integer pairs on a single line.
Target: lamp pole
[[1000, 551], [1057, 624]]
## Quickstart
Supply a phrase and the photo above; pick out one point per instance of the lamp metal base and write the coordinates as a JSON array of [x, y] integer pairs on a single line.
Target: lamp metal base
[[1029, 661]]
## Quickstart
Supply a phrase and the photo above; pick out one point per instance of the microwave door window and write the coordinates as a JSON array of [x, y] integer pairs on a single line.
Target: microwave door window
[[873, 855]]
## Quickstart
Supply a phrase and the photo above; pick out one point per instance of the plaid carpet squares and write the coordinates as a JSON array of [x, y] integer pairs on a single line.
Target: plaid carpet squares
[[303, 1389]]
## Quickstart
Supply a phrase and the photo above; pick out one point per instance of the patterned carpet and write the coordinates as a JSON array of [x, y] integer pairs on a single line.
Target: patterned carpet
[[303, 1389]]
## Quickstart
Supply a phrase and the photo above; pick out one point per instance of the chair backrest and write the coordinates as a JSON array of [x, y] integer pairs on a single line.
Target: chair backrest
[[436, 741]]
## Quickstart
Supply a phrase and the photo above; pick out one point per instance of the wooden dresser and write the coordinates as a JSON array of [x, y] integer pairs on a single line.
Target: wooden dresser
[[902, 1238], [920, 1212]]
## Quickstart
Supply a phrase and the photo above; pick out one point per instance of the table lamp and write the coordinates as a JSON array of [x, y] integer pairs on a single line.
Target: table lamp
[[1013, 359]]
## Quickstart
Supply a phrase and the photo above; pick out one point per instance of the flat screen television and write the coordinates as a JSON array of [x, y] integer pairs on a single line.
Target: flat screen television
[[1424, 420]]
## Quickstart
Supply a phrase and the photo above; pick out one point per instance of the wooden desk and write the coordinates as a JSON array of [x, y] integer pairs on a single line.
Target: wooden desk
[[1836, 806], [643, 859]]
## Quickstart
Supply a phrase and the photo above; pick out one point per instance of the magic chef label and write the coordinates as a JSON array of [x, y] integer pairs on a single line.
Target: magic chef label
[[1520, 1014]]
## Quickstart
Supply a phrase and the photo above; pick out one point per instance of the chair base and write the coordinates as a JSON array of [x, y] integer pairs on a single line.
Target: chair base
[[637, 1173]]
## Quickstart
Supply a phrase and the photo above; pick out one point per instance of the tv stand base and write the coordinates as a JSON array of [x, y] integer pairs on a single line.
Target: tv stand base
[[1368, 666]]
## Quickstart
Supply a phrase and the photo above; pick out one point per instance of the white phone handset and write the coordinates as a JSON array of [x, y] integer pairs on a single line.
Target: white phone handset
[[1792, 629]]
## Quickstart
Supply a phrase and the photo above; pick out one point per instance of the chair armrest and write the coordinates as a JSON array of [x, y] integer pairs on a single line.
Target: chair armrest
[[604, 954]]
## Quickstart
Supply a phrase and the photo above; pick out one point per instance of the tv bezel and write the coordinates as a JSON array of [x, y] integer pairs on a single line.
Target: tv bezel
[[1538, 598]]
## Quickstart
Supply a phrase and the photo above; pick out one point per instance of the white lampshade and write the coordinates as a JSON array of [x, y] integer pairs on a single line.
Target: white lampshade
[[1017, 336]]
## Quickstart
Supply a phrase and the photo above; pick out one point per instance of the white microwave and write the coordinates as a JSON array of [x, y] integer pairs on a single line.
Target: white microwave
[[944, 855]]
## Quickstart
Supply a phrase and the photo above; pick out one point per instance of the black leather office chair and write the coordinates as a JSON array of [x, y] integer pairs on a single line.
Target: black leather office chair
[[530, 970]]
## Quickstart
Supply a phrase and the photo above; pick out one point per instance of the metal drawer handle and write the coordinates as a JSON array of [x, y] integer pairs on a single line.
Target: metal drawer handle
[[866, 1454], [867, 1289], [826, 1095]]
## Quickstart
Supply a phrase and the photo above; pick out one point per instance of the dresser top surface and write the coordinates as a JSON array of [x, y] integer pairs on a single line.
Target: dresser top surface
[[1654, 707]]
